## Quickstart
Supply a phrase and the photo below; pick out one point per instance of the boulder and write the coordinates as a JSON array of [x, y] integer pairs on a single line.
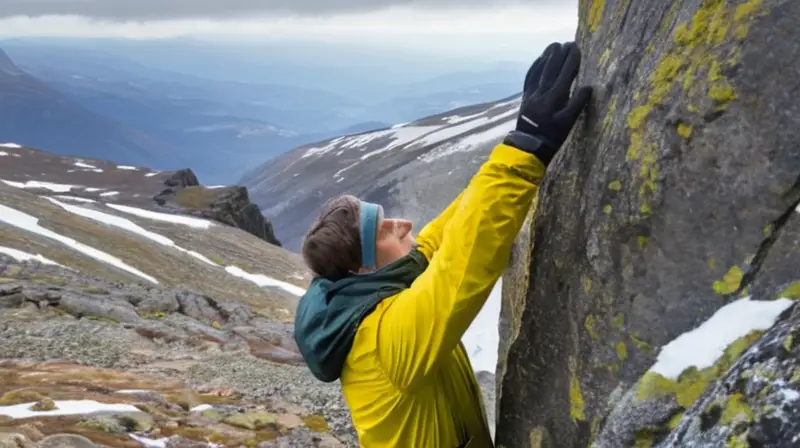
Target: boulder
[[674, 197]]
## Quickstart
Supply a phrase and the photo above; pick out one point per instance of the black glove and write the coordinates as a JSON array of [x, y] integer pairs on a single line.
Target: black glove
[[547, 112]]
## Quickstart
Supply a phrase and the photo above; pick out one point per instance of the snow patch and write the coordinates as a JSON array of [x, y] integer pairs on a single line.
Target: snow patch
[[128, 225], [702, 346], [154, 173], [58, 188], [10, 145], [454, 131], [25, 256], [93, 189], [482, 338], [66, 407], [263, 280], [196, 223], [214, 187], [73, 198], [471, 142], [3, 153], [109, 193], [127, 167], [29, 223]]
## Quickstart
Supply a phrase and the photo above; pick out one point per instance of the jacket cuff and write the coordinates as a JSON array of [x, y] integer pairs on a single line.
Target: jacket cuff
[[530, 144]]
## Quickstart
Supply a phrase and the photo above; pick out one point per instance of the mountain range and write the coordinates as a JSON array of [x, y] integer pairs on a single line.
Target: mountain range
[[187, 113]]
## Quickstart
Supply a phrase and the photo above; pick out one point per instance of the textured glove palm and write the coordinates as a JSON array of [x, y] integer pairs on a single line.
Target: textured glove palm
[[548, 112]]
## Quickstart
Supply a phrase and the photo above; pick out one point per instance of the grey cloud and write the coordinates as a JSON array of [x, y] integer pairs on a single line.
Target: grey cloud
[[119, 10]]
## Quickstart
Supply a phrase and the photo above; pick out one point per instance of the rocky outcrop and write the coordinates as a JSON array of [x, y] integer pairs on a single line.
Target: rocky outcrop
[[674, 197], [229, 204]]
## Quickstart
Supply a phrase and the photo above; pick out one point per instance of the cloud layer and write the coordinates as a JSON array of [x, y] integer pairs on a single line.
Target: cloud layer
[[125, 10]]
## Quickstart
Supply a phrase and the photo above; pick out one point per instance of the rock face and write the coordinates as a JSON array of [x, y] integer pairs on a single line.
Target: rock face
[[229, 204], [674, 197]]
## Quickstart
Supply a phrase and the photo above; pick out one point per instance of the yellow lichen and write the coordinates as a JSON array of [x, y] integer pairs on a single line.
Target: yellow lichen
[[589, 324], [691, 383], [575, 395], [745, 10], [587, 284], [736, 409], [607, 209], [615, 185], [641, 242], [712, 263], [618, 321], [730, 282], [604, 56], [641, 344], [596, 13], [685, 130], [622, 351], [791, 292]]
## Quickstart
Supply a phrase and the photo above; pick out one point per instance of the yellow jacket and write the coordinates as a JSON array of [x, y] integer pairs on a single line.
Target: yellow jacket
[[407, 378]]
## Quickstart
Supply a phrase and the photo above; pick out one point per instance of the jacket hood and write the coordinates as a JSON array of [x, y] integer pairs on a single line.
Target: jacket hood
[[329, 313]]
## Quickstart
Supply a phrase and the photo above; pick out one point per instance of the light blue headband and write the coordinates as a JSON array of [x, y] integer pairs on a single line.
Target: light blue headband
[[369, 215]]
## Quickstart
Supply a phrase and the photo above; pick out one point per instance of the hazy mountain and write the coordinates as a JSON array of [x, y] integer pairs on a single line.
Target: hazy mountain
[[39, 115]]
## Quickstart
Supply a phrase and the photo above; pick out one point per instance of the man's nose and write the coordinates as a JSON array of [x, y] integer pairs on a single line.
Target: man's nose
[[405, 225]]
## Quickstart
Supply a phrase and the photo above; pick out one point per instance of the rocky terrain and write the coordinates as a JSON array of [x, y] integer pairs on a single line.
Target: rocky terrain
[[126, 323], [650, 301], [413, 169]]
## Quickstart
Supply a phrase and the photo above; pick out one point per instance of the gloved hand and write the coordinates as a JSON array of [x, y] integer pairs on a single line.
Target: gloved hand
[[547, 112]]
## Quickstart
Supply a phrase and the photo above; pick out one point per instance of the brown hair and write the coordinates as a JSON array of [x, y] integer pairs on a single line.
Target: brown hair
[[332, 246]]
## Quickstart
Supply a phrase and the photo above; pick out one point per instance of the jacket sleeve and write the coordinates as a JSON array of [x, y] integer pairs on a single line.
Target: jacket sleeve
[[430, 237], [426, 321]]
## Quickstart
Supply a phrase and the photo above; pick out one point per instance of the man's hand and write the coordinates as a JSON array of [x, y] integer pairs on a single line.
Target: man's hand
[[547, 112]]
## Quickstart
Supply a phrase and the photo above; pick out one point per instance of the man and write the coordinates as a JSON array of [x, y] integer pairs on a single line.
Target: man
[[385, 313]]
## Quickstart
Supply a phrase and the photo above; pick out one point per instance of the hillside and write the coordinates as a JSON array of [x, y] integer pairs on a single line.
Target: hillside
[[414, 169], [128, 322], [37, 115]]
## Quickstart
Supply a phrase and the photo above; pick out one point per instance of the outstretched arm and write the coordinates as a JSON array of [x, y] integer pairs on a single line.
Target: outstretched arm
[[430, 237], [429, 318], [470, 251]]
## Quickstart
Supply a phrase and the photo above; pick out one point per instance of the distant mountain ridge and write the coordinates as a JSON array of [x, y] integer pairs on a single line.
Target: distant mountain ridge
[[38, 115], [413, 169]]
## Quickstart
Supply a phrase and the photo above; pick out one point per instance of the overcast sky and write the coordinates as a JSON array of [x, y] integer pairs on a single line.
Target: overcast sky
[[502, 27]]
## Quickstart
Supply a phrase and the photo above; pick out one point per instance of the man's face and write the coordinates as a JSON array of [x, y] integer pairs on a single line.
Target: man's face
[[395, 240]]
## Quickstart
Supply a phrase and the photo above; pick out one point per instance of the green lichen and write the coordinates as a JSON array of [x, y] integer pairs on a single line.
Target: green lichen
[[615, 185], [596, 14], [641, 242], [607, 209], [730, 282]]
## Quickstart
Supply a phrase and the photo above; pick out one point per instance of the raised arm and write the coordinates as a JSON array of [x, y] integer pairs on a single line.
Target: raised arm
[[430, 317], [430, 237], [426, 321]]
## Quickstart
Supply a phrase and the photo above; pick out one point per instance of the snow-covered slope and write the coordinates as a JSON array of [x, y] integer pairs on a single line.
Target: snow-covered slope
[[413, 169]]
